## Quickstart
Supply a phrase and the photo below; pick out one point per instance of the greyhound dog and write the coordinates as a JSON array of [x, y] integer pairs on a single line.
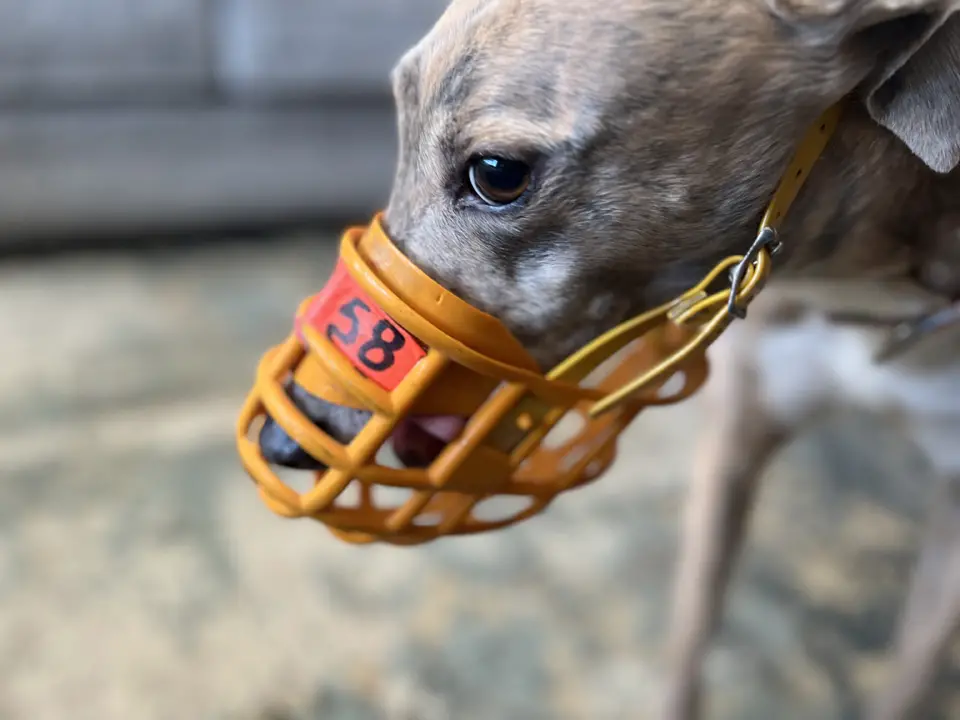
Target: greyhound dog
[[564, 165]]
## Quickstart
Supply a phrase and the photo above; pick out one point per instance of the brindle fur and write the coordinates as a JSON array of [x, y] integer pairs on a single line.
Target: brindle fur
[[658, 129]]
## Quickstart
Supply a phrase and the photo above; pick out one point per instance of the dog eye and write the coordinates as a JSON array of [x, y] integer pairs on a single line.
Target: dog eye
[[498, 181]]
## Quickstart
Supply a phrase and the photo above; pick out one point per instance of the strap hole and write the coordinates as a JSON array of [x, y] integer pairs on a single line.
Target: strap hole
[[605, 369], [569, 427], [428, 519], [674, 385], [501, 507], [572, 458]]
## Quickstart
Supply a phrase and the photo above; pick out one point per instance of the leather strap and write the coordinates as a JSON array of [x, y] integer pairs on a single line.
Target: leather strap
[[809, 150]]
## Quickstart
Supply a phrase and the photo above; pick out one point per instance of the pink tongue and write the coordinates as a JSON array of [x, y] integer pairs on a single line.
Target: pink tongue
[[442, 427], [417, 441]]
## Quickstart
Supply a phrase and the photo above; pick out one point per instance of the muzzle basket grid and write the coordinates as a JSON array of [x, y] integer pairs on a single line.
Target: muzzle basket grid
[[510, 405]]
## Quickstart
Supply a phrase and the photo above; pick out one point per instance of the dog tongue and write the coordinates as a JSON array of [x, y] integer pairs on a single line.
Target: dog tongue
[[442, 427], [417, 441]]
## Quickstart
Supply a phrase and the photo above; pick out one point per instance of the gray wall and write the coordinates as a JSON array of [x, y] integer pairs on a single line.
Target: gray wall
[[133, 116]]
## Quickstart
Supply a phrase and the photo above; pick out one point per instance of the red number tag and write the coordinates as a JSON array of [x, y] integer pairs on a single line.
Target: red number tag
[[376, 346]]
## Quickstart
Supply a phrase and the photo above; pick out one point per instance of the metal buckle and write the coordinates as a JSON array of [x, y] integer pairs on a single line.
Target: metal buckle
[[767, 239]]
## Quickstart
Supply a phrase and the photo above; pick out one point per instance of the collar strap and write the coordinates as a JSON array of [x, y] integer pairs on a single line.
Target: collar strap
[[809, 150]]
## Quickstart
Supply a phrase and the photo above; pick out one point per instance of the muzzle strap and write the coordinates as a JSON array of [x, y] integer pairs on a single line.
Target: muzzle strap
[[749, 273]]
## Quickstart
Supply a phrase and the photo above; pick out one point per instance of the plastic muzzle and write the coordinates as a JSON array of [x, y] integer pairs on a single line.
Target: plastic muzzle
[[383, 337]]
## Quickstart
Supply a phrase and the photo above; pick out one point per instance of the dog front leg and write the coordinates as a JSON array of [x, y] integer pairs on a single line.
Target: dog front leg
[[733, 449], [931, 616]]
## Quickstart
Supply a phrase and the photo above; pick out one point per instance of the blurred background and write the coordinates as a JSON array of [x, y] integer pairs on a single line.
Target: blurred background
[[174, 175]]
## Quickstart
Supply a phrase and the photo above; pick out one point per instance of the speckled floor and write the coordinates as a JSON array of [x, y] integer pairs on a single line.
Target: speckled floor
[[140, 578]]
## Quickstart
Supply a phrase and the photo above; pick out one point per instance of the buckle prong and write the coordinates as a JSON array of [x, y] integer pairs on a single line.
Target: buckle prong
[[767, 239]]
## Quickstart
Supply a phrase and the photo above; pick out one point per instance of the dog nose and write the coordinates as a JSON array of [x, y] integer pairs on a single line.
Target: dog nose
[[279, 448]]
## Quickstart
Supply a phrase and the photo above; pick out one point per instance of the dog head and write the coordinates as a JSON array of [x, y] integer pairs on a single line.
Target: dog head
[[563, 166]]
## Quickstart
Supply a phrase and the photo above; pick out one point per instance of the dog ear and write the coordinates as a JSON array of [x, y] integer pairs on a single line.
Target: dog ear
[[913, 88]]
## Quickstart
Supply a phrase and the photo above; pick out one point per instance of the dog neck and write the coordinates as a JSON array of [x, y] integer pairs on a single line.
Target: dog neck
[[873, 210]]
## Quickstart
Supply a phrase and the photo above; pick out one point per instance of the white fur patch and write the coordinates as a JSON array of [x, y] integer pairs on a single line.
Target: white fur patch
[[815, 365], [544, 284]]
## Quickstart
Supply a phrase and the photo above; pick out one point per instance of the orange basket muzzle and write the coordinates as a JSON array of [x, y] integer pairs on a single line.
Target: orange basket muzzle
[[385, 338]]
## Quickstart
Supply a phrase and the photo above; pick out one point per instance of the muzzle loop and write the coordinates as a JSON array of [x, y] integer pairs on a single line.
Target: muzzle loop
[[707, 315]]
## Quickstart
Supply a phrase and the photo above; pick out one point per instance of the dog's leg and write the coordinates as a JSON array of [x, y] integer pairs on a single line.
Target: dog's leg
[[738, 439], [931, 616]]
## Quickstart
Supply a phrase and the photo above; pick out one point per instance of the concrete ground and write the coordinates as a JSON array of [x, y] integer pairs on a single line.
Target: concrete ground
[[140, 578]]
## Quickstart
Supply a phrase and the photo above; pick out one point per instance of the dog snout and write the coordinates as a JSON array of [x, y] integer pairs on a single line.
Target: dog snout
[[340, 423], [279, 448]]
